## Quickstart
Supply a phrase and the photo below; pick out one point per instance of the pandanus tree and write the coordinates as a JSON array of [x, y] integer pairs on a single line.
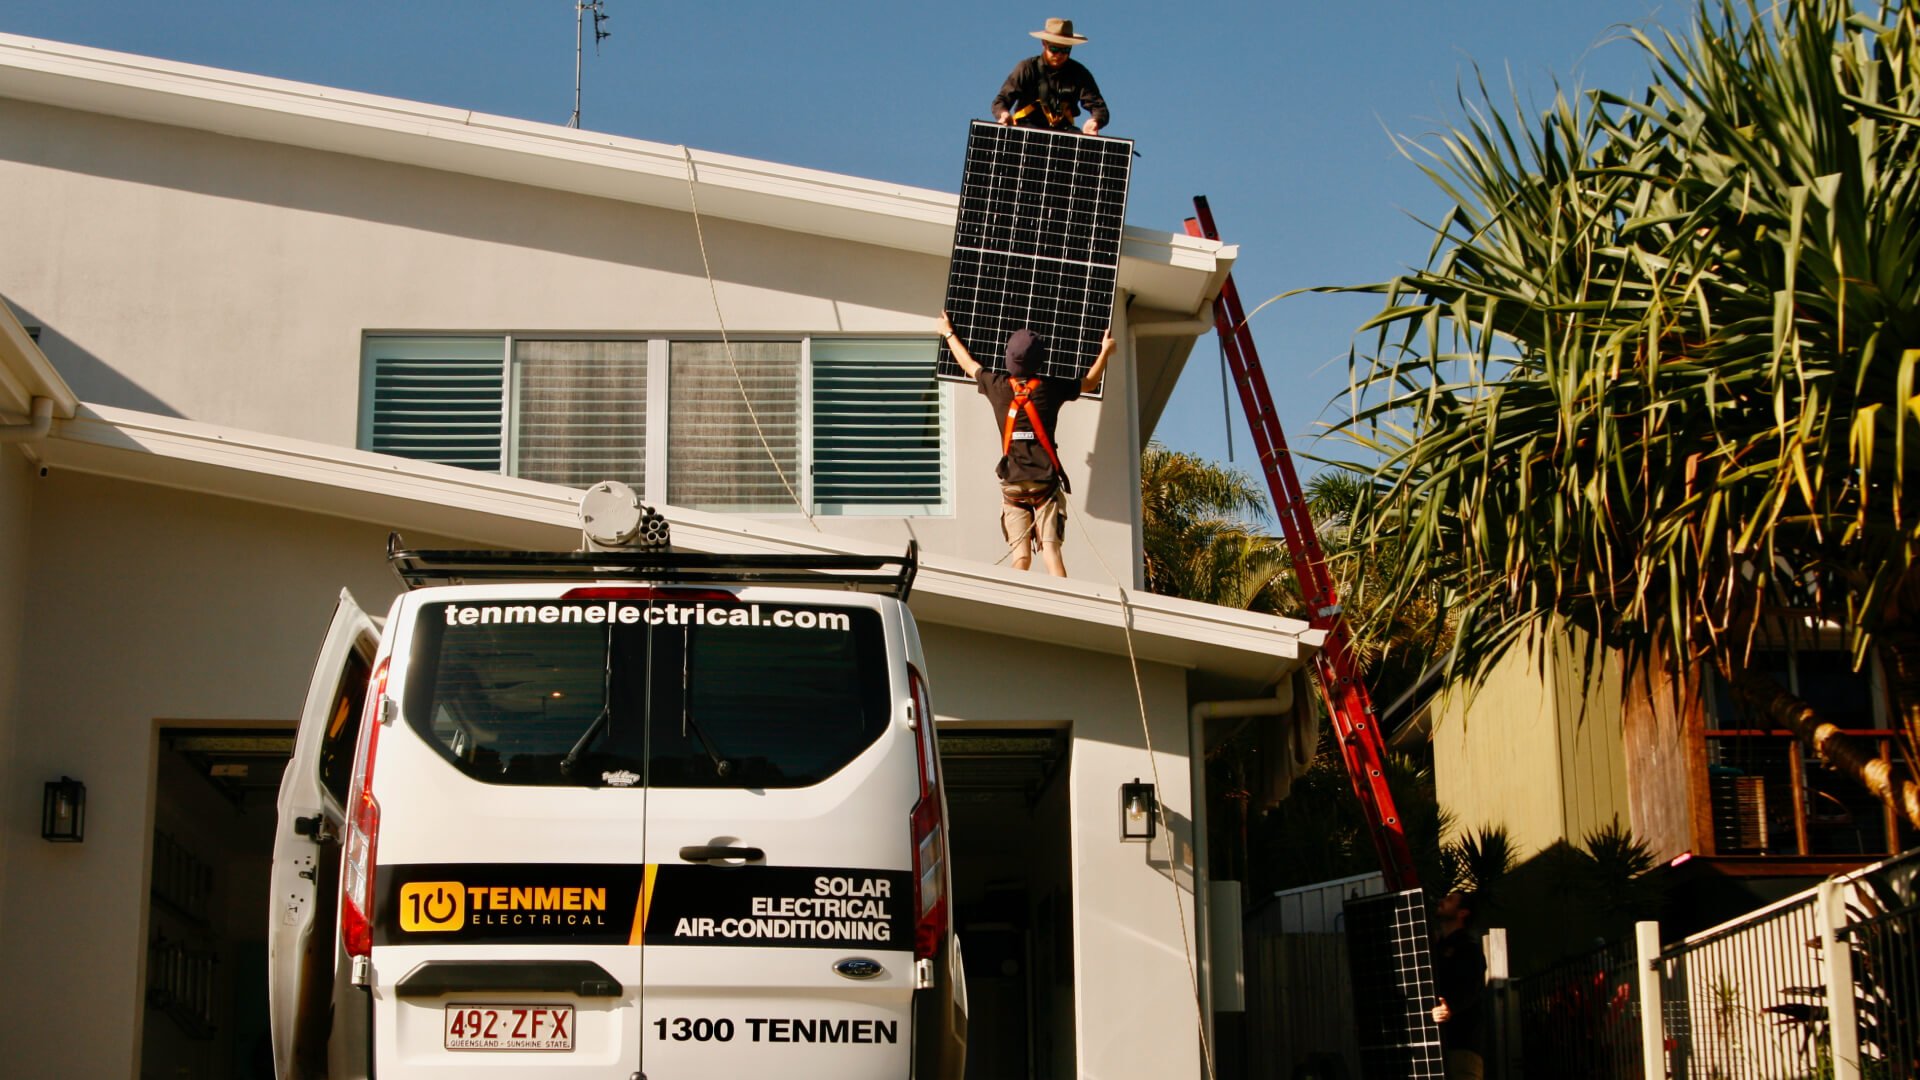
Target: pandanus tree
[[1657, 378]]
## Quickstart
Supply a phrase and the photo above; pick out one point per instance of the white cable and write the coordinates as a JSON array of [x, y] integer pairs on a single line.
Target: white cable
[[726, 344]]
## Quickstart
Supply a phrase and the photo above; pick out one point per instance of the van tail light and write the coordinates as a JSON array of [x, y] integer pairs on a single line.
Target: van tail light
[[930, 877], [363, 828]]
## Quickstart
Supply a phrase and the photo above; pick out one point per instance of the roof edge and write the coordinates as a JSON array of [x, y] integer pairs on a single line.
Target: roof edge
[[507, 511]]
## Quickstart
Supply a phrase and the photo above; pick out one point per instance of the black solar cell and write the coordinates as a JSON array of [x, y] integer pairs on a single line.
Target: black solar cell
[[1037, 243], [1391, 961]]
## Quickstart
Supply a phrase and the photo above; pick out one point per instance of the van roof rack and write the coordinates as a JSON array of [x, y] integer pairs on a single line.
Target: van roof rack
[[889, 573]]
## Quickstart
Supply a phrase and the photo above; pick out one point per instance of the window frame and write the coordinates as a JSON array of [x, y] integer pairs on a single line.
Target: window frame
[[657, 462]]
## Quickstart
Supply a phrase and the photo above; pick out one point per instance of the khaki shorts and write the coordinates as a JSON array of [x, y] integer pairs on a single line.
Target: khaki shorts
[[1031, 508]]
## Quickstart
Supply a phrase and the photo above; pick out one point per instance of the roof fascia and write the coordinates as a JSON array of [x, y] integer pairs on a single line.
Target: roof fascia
[[510, 512]]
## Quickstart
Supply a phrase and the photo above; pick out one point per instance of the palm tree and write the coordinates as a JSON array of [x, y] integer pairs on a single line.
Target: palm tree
[[1200, 535], [1658, 377]]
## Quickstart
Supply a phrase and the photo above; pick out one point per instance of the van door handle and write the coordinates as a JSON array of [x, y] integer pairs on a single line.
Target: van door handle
[[721, 852]]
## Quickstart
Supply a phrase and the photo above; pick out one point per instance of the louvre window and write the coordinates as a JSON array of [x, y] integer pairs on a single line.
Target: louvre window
[[878, 429], [733, 428], [580, 411], [831, 426], [436, 399]]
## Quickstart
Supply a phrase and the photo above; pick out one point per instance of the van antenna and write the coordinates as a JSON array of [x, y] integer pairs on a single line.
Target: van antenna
[[580, 9]]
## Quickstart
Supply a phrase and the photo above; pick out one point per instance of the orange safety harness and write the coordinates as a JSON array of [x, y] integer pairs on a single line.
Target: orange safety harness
[[1023, 402]]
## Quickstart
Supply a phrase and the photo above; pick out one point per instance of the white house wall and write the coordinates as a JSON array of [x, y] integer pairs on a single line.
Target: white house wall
[[18, 795], [231, 281], [1133, 911]]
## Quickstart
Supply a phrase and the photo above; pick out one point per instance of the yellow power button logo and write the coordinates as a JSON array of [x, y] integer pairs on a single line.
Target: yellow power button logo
[[427, 906]]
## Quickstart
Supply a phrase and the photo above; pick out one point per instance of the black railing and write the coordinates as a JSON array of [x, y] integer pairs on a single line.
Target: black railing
[[1580, 1018], [1886, 980]]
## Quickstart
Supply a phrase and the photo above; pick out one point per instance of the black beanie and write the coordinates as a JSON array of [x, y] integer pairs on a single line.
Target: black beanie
[[1026, 352]]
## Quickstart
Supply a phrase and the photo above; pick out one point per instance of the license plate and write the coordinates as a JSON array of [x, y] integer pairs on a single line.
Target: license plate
[[509, 1027]]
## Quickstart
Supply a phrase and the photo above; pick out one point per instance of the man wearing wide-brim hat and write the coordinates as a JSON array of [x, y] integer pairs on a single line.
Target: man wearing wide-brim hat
[[1052, 89]]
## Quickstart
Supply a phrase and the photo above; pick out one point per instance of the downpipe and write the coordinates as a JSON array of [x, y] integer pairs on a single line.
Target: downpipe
[[1280, 704], [40, 422]]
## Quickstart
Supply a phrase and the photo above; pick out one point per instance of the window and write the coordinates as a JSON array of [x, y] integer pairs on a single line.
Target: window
[[843, 426], [733, 427], [1772, 796], [435, 399], [878, 429], [581, 411], [783, 700]]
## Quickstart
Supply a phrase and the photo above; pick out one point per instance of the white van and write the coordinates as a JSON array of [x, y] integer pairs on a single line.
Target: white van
[[635, 815]]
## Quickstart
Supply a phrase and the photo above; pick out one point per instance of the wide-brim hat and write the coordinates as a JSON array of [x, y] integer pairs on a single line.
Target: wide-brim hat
[[1059, 32]]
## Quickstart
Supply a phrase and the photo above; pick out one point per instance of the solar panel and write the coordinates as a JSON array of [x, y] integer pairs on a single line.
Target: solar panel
[[1037, 244], [1393, 996]]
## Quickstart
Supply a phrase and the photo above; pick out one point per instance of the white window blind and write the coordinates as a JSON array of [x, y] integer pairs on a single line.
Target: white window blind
[[438, 399], [733, 429], [879, 440], [580, 412]]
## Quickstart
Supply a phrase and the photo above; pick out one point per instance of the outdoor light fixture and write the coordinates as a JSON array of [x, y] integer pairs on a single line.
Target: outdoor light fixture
[[63, 811], [1139, 813]]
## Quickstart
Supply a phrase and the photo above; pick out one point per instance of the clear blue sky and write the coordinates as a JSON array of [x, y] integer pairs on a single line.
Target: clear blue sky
[[1279, 113]]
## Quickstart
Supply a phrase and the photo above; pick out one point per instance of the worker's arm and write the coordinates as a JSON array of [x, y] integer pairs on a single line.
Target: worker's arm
[[1092, 380], [1016, 91], [1094, 104], [960, 354]]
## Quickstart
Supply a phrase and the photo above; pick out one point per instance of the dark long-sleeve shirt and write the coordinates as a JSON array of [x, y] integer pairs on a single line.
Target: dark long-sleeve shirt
[[1060, 92]]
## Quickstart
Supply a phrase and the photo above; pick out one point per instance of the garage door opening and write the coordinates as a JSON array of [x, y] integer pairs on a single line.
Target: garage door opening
[[1007, 794], [213, 825]]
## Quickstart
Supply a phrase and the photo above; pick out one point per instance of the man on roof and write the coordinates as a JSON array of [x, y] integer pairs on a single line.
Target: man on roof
[[1050, 90], [1033, 486]]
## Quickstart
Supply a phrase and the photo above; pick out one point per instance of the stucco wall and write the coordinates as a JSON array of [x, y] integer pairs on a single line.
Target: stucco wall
[[231, 281], [19, 799], [145, 604], [1136, 1014]]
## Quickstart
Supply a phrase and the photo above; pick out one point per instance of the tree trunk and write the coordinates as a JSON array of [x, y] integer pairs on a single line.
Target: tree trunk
[[1900, 656], [1770, 705]]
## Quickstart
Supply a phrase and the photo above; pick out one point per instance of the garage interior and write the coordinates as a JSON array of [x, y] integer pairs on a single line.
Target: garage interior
[[1013, 903]]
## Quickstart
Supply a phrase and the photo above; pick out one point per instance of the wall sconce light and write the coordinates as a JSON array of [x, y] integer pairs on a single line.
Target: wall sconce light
[[63, 811], [1139, 813]]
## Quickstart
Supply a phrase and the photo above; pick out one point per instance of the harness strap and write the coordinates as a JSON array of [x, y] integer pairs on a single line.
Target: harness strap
[[1023, 401]]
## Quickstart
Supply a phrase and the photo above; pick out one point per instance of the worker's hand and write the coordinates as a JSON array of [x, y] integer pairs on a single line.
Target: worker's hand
[[1442, 1014], [944, 325], [1091, 127], [1106, 339], [1003, 117]]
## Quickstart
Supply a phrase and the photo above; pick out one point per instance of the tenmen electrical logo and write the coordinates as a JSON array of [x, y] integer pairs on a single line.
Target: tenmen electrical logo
[[427, 906], [433, 906]]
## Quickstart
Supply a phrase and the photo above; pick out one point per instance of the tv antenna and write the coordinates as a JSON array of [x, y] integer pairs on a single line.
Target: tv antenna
[[580, 10]]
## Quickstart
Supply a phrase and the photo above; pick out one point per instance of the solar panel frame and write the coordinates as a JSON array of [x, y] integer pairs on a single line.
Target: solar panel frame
[[1391, 959], [1037, 244]]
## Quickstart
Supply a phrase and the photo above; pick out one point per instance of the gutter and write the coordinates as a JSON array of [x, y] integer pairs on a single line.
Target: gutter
[[35, 428]]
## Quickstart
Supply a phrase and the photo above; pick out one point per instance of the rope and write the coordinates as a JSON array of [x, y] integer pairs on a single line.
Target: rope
[[1160, 807], [727, 344]]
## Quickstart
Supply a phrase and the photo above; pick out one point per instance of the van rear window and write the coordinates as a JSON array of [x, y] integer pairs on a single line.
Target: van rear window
[[632, 693]]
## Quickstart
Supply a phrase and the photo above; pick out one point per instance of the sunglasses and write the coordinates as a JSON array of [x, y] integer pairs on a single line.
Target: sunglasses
[[1062, 50]]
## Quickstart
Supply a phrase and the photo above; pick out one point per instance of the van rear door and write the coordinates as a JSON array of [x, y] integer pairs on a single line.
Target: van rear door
[[302, 986], [781, 780]]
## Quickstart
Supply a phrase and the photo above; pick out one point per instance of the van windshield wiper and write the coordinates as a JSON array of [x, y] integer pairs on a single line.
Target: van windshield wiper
[[721, 766], [601, 720]]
